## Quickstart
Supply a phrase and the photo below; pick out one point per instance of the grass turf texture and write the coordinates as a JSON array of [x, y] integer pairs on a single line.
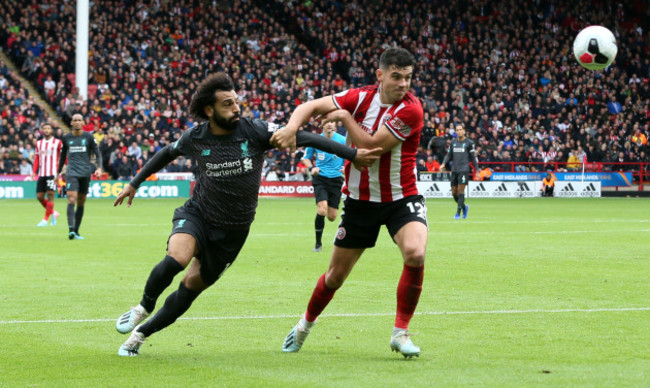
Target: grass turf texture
[[525, 292]]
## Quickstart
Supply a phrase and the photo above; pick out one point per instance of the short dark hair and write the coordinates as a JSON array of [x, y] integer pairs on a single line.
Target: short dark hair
[[397, 57], [205, 95]]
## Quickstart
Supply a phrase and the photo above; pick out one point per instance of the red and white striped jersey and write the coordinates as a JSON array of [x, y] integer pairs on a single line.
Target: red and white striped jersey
[[46, 161], [392, 177]]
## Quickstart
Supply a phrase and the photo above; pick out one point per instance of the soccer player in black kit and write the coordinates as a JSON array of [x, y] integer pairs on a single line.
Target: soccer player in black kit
[[77, 147], [460, 153], [213, 224]]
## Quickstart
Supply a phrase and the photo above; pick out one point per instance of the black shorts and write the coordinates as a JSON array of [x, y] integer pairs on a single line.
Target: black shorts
[[45, 183], [218, 247], [361, 220], [327, 189], [459, 178], [78, 184]]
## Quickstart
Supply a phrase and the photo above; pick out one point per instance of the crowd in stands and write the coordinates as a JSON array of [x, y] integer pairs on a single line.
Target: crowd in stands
[[504, 69]]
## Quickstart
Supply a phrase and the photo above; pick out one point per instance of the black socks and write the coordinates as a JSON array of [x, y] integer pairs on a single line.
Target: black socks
[[176, 305], [71, 216], [319, 225], [161, 277], [78, 215], [461, 203]]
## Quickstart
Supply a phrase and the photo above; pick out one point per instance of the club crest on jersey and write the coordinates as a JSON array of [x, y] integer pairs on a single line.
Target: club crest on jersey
[[397, 124], [244, 149], [340, 234], [205, 153]]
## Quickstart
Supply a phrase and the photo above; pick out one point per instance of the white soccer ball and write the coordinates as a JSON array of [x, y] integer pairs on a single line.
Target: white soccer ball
[[595, 47]]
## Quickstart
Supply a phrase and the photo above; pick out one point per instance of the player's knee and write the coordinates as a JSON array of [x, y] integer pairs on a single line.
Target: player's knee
[[193, 281], [331, 216], [334, 280], [414, 255]]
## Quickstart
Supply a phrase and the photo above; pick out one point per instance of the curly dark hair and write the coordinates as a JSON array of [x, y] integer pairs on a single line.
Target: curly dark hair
[[397, 57], [206, 94]]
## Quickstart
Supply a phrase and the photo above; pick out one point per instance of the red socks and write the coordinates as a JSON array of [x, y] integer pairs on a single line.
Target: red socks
[[49, 209], [319, 299], [408, 294]]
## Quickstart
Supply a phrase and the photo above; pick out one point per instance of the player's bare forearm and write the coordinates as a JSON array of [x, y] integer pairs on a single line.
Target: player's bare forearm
[[362, 139], [286, 137]]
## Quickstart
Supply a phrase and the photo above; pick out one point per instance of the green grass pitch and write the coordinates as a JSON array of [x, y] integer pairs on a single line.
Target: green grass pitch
[[524, 293]]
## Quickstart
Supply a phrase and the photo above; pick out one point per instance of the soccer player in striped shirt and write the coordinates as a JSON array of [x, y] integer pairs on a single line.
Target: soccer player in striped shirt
[[45, 168], [386, 115]]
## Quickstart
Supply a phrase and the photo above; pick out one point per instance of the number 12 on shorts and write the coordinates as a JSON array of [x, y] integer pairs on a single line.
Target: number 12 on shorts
[[419, 208]]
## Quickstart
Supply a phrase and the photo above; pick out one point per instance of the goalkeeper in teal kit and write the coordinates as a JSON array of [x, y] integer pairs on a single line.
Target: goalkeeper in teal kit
[[327, 179]]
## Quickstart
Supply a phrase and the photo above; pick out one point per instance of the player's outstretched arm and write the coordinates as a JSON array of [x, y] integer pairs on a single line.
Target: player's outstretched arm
[[360, 157], [159, 160], [286, 137], [382, 138]]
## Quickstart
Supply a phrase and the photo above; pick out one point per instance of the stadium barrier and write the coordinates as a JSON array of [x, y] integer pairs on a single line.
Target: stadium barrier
[[433, 189], [528, 189], [103, 189]]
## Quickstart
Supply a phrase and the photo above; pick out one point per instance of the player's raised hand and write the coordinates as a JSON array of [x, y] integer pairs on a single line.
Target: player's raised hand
[[366, 157], [129, 191]]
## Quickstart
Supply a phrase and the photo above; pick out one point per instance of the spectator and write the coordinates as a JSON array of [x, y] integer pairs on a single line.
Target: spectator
[[124, 169], [432, 164], [25, 167], [573, 163]]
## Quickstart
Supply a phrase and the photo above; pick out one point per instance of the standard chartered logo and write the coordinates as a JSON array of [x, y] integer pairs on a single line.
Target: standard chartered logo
[[77, 149], [229, 168]]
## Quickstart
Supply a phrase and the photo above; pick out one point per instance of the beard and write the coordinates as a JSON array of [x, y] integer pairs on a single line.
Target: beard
[[226, 124]]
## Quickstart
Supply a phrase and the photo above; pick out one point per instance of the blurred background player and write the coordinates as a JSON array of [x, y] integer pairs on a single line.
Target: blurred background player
[[46, 163], [327, 179], [460, 153], [548, 185], [78, 146]]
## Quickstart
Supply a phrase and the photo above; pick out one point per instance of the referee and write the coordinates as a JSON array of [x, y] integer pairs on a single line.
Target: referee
[[461, 153], [327, 179]]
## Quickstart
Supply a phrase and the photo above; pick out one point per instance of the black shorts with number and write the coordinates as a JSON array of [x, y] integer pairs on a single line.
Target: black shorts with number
[[78, 184], [327, 189], [459, 178], [218, 247], [361, 220], [45, 183]]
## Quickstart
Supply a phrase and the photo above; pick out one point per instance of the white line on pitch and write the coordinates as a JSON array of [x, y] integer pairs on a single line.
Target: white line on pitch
[[534, 311]]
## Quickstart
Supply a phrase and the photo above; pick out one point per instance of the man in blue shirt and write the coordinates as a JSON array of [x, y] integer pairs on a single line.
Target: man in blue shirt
[[327, 179]]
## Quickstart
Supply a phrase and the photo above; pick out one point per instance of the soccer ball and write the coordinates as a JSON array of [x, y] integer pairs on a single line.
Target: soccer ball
[[595, 47]]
